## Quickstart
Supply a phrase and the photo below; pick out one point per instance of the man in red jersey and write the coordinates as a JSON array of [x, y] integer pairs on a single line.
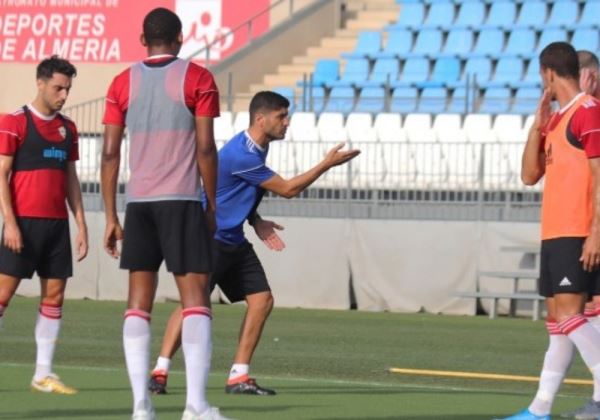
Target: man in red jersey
[[38, 150], [168, 106]]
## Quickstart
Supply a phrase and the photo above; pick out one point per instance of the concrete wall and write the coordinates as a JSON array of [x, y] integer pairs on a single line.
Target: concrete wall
[[395, 265]]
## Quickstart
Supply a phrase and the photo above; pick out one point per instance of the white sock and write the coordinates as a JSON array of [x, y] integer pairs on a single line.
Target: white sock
[[136, 343], [163, 363], [197, 346], [556, 364], [587, 340], [47, 328], [237, 370], [2, 309]]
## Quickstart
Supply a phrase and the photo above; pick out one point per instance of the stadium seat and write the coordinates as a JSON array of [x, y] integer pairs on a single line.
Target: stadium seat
[[589, 15], [341, 99], [497, 171], [460, 102], [533, 14], [241, 121], [223, 127], [281, 158], [458, 43], [448, 128], [563, 13], [399, 43], [470, 14], [526, 100], [404, 100], [441, 15], [428, 43], [508, 128], [479, 69], [385, 70], [549, 36], [418, 128], [331, 127], [432, 168], [355, 71], [463, 160], [88, 167], [368, 44], [290, 94], [502, 14], [316, 99], [359, 127], [508, 70], [388, 127], [371, 100], [446, 70], [303, 127], [527, 125], [415, 70], [490, 43], [496, 100], [478, 128], [586, 39], [521, 42], [326, 70], [411, 15], [433, 100], [532, 75]]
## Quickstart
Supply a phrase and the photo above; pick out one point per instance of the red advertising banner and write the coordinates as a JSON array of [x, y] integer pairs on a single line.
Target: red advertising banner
[[108, 31]]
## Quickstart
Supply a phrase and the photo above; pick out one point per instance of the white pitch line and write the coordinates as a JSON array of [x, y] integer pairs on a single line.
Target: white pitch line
[[301, 379]]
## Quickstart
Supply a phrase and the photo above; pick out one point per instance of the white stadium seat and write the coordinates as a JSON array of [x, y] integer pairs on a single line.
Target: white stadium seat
[[331, 127], [303, 127], [508, 128], [241, 122], [478, 128], [448, 128], [359, 127], [88, 165], [418, 128], [281, 158], [224, 127], [388, 127]]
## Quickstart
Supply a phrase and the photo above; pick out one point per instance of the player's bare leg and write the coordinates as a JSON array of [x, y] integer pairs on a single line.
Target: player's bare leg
[[258, 310], [8, 287]]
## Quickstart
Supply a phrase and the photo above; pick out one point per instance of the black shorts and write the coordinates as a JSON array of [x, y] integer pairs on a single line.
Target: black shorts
[[174, 231], [46, 250], [237, 270], [560, 268]]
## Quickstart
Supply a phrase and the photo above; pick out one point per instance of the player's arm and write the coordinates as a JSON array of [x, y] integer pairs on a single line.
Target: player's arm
[[109, 174], [75, 202], [12, 235], [292, 187], [590, 256], [206, 154], [266, 231], [533, 162]]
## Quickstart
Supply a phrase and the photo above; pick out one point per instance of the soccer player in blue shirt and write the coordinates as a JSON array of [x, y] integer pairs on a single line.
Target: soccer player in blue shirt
[[242, 179]]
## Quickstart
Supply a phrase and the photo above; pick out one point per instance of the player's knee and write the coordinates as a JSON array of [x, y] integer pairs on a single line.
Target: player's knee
[[262, 304], [55, 300]]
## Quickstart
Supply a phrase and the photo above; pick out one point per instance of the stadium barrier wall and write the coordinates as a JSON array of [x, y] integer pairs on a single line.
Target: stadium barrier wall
[[393, 265]]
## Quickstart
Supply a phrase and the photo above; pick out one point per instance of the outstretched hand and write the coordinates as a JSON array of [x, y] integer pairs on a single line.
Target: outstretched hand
[[336, 156], [266, 231]]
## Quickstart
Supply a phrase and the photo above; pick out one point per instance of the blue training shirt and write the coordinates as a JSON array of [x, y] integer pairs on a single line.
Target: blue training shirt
[[242, 169]]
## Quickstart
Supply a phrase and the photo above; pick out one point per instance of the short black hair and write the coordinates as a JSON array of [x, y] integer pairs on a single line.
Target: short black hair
[[562, 58], [587, 59], [267, 101], [161, 27], [54, 64]]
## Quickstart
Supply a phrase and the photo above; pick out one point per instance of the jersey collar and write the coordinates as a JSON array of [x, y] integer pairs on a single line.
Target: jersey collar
[[570, 104], [258, 146], [39, 115]]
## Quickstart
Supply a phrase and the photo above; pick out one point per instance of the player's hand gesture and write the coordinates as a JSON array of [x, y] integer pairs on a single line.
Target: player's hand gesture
[[588, 81], [112, 234], [266, 231], [12, 237], [82, 244], [542, 114], [337, 157], [590, 257]]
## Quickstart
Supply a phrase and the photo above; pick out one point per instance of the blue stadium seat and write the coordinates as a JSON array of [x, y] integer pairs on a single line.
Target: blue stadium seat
[[470, 14], [384, 70], [445, 70], [532, 75], [478, 68], [508, 71], [356, 71], [495, 101], [563, 13], [399, 43], [326, 70], [458, 43], [433, 100], [415, 70], [458, 101], [551, 35], [290, 94], [441, 15], [526, 100], [368, 44], [411, 16], [428, 42], [371, 100], [490, 43], [318, 98], [533, 14], [521, 42], [341, 99], [502, 14], [589, 15], [586, 39], [404, 100]]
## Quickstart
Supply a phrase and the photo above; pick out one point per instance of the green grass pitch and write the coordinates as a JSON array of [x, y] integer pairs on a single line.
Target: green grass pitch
[[324, 365]]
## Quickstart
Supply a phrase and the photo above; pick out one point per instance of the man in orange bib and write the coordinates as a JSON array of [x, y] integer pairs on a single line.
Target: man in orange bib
[[564, 148]]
